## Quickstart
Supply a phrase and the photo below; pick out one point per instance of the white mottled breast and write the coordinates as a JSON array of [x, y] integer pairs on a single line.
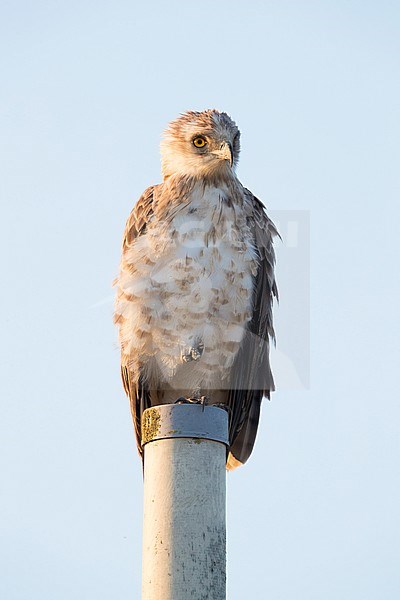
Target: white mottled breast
[[190, 285]]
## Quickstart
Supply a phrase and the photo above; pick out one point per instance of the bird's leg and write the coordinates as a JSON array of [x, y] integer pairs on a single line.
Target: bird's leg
[[194, 399], [181, 400]]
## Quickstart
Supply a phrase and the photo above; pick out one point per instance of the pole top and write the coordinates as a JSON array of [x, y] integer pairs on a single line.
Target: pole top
[[185, 421]]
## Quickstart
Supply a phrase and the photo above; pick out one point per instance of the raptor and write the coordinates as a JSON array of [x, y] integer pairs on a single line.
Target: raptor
[[196, 283]]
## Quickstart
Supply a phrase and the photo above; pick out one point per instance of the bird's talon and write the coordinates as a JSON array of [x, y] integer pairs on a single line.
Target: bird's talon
[[224, 407], [181, 400]]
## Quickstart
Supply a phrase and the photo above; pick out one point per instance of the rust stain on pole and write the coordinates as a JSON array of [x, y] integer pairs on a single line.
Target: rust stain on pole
[[151, 424]]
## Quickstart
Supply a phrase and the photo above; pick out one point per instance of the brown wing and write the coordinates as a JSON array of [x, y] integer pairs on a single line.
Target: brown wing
[[251, 373], [137, 392]]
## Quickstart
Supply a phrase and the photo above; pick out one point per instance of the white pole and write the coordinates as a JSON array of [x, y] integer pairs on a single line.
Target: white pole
[[184, 529]]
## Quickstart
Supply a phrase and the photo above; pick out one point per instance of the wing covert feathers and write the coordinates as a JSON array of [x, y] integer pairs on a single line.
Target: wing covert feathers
[[136, 391], [251, 373]]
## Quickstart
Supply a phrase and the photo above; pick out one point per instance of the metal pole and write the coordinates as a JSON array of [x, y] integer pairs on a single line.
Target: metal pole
[[184, 529]]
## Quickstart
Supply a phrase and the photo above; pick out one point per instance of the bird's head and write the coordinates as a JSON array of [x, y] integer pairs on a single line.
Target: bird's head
[[201, 144]]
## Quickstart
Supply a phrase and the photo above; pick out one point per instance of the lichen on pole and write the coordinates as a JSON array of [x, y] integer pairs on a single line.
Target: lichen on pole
[[184, 528]]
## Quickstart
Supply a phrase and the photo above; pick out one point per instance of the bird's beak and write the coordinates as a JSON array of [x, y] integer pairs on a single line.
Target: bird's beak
[[225, 152]]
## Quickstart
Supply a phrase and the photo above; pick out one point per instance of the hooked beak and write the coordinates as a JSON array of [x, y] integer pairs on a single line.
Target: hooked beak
[[225, 152]]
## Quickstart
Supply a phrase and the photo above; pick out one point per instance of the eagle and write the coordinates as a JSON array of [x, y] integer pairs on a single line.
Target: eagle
[[196, 284]]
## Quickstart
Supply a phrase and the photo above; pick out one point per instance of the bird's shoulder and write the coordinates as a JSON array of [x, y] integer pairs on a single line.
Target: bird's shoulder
[[257, 214], [139, 217], [157, 203]]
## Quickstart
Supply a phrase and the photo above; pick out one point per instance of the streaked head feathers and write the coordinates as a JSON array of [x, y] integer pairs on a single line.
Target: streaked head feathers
[[200, 144]]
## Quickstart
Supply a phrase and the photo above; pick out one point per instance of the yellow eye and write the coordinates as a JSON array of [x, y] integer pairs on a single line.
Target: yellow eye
[[199, 142]]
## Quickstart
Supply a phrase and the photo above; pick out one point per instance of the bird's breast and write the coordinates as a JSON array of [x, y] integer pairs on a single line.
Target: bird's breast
[[191, 290]]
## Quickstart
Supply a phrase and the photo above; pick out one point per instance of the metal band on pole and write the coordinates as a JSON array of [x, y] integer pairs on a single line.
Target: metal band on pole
[[184, 529], [185, 421]]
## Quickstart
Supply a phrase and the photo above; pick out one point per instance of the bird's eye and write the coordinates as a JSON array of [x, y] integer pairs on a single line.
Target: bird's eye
[[199, 142]]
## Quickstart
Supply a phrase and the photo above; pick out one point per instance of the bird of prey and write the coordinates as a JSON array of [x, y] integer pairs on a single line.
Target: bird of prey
[[196, 283]]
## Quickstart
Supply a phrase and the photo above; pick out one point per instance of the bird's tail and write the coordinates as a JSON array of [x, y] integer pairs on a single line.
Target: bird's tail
[[242, 445]]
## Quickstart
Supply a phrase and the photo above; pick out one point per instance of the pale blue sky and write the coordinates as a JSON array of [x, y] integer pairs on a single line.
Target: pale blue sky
[[86, 89]]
